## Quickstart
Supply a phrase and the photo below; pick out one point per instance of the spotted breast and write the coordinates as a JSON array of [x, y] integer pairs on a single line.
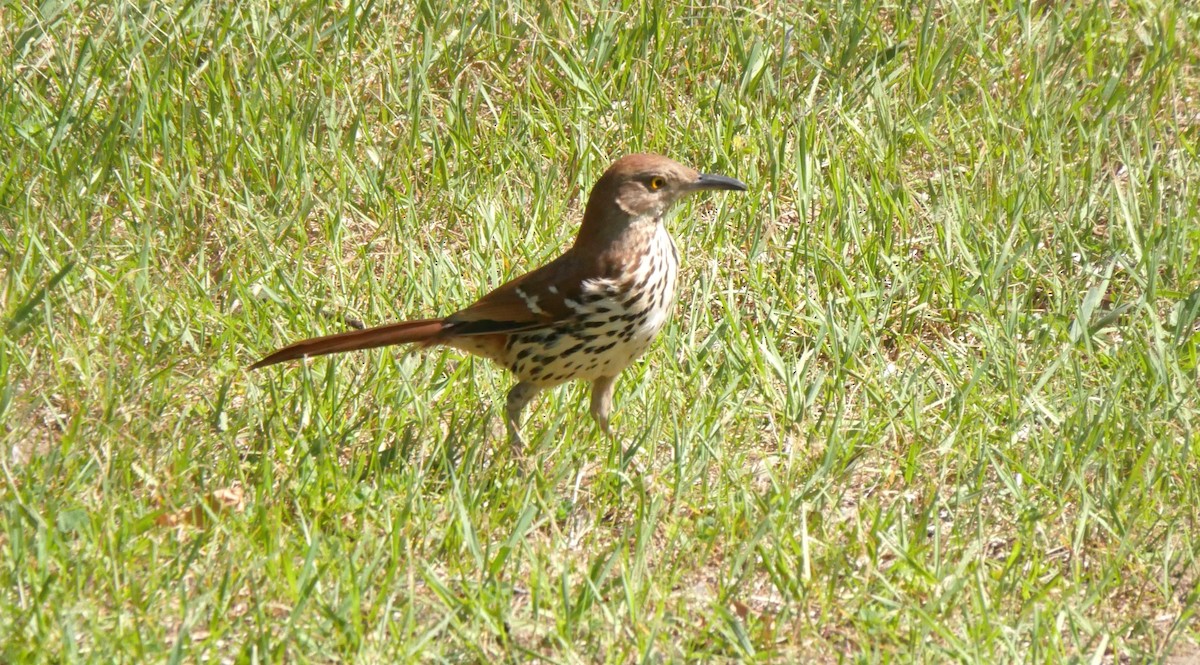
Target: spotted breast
[[616, 320]]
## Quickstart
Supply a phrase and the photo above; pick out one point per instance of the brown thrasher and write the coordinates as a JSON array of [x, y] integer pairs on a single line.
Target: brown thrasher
[[586, 315]]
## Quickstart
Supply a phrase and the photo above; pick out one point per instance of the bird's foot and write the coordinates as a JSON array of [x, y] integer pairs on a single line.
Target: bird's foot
[[515, 443]]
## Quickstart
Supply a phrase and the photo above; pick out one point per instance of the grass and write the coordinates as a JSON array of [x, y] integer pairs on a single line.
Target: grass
[[930, 393]]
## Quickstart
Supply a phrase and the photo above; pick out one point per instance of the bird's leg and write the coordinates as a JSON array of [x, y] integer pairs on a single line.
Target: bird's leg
[[602, 393], [518, 397]]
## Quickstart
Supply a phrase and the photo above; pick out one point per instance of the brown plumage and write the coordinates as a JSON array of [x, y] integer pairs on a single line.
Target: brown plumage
[[586, 315]]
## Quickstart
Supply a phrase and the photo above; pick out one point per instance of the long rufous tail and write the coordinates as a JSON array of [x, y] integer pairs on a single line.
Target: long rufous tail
[[405, 332]]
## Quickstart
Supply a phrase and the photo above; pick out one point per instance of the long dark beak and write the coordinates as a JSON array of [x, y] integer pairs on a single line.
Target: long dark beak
[[712, 181]]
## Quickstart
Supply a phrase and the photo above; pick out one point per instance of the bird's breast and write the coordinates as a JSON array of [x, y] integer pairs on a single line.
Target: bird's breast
[[614, 321]]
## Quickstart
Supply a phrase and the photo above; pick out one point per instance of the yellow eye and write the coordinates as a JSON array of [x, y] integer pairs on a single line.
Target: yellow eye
[[656, 183]]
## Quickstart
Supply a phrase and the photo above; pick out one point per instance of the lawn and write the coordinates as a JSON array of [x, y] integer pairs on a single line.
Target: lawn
[[930, 392]]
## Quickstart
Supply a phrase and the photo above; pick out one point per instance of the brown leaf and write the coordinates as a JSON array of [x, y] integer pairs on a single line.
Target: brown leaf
[[228, 499]]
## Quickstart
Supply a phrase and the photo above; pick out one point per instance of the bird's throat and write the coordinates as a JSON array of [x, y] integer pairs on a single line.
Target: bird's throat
[[634, 242]]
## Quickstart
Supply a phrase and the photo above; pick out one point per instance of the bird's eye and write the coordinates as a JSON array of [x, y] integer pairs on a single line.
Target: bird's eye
[[656, 183]]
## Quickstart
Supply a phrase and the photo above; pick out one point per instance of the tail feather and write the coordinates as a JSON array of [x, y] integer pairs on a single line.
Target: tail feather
[[405, 332]]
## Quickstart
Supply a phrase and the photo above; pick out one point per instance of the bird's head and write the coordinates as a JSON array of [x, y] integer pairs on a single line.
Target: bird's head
[[640, 187], [648, 185]]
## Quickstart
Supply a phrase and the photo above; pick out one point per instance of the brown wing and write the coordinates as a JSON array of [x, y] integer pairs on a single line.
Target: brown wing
[[534, 300]]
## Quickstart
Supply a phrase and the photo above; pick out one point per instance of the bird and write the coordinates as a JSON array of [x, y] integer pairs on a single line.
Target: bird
[[586, 315]]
